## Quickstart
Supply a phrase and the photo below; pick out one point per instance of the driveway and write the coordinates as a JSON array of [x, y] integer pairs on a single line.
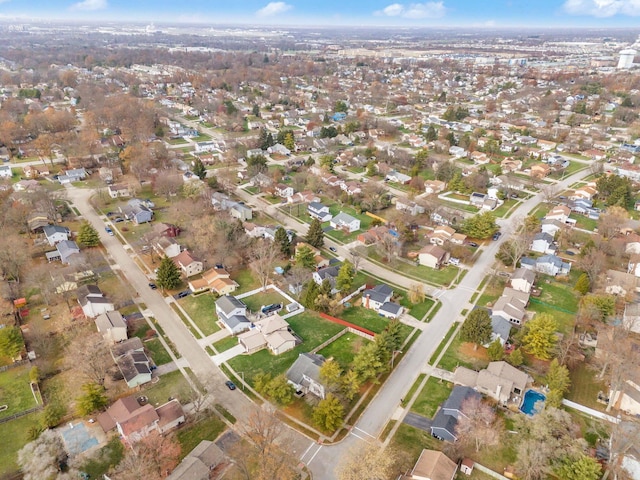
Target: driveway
[[228, 354], [418, 421]]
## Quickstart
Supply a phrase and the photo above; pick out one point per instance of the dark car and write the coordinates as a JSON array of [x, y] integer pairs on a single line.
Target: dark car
[[108, 230], [333, 249], [230, 385], [118, 220], [219, 265], [496, 235], [473, 244], [184, 293], [153, 286]]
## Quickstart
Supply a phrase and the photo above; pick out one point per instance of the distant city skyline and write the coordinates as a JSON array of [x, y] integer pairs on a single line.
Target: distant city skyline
[[437, 13]]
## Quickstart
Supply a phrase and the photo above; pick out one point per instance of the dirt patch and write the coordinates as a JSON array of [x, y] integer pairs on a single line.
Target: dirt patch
[[469, 350]]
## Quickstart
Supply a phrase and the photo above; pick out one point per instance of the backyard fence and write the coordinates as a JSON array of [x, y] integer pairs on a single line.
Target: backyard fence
[[14, 365], [358, 330], [20, 414]]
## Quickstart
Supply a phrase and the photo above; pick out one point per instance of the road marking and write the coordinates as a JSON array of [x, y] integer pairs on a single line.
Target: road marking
[[314, 455], [306, 451], [366, 433], [357, 436]]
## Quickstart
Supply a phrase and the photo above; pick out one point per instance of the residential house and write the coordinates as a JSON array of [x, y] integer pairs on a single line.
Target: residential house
[[552, 227], [137, 213], [284, 191], [511, 306], [433, 256], [187, 264], [303, 197], [523, 280], [93, 301], [112, 326], [167, 246], [375, 234], [500, 381], [119, 190], [215, 279], [304, 374], [390, 310], [559, 212], [329, 273], [346, 222], [434, 187], [397, 177], [132, 361], [510, 165], [233, 314], [240, 211], [55, 234], [543, 243], [540, 170], [5, 171], [351, 188], [583, 193], [319, 211], [547, 264], [409, 206], [433, 465], [445, 421], [74, 175], [199, 462], [457, 152], [441, 235], [64, 252], [500, 329], [377, 296], [479, 158], [272, 332]]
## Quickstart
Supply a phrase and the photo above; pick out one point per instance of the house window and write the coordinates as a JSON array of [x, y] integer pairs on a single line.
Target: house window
[[517, 391]]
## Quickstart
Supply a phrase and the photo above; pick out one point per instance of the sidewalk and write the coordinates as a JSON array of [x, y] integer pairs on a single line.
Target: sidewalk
[[213, 338], [227, 355]]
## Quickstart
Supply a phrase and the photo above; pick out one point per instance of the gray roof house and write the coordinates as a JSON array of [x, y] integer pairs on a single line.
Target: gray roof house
[[500, 329], [319, 211], [64, 250], [543, 243], [500, 381], [511, 306], [304, 374], [233, 314], [345, 221], [199, 462], [377, 296], [390, 310], [93, 301], [55, 233], [112, 326], [445, 422], [133, 363], [523, 280], [138, 213], [547, 264], [327, 273]]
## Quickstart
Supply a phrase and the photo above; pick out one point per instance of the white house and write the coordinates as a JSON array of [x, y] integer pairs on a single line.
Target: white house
[[345, 221], [319, 211], [523, 280], [232, 313], [55, 234], [5, 171], [93, 301], [112, 326], [543, 243]]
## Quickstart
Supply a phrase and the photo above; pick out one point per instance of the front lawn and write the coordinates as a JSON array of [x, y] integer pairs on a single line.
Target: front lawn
[[172, 384], [202, 310], [344, 348], [434, 392], [159, 354], [463, 354], [15, 391], [260, 299], [225, 344], [440, 277], [417, 310], [365, 318], [411, 441], [206, 429], [308, 325], [583, 222], [503, 209], [247, 280], [16, 434]]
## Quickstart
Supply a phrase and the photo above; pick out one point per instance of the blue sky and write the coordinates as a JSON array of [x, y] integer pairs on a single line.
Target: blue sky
[[475, 13]]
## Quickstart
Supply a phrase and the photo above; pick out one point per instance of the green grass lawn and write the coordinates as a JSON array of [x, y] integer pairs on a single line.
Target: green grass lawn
[[16, 434], [453, 357], [443, 276], [172, 384], [435, 392], [346, 237], [191, 435], [413, 389], [417, 310], [585, 387], [502, 210], [344, 348], [411, 441], [311, 327], [225, 344], [108, 456], [246, 279], [370, 320], [492, 291], [202, 310], [559, 301], [583, 222], [159, 354], [258, 300], [177, 141], [15, 391]]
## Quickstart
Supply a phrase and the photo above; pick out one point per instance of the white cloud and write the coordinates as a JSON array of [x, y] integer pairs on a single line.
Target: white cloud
[[414, 10], [602, 8], [89, 5], [273, 8]]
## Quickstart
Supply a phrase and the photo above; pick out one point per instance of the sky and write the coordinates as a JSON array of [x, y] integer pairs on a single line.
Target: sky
[[442, 13]]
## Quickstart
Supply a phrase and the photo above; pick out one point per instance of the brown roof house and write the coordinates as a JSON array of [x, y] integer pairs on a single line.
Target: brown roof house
[[433, 465], [215, 279], [200, 463], [433, 256], [500, 381], [188, 264]]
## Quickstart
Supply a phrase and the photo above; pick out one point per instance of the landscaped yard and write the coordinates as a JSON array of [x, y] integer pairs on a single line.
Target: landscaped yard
[[15, 391], [417, 310], [411, 441], [370, 320], [441, 277], [172, 384], [435, 392], [557, 299], [202, 310], [308, 325], [258, 300], [585, 387], [502, 210], [16, 435], [583, 222], [463, 354], [225, 344], [247, 280], [108, 456], [159, 354], [206, 429], [344, 348]]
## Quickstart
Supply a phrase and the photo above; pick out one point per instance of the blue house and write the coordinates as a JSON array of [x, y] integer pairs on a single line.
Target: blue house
[[445, 421], [137, 213]]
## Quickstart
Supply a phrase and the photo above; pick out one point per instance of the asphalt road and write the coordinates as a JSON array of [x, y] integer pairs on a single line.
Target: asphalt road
[[197, 358]]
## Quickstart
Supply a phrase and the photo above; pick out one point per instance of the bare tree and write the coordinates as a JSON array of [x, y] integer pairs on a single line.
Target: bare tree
[[549, 190], [611, 221], [368, 460], [150, 458], [356, 256], [89, 354], [388, 247], [477, 424], [262, 258], [623, 437], [593, 263], [42, 457]]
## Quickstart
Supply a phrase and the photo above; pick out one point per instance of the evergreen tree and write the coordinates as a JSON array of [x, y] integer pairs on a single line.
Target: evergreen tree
[[558, 381], [168, 275], [495, 351], [328, 414], [583, 285], [310, 294], [345, 277], [256, 111], [87, 235], [481, 225], [477, 327], [11, 342], [431, 134], [539, 337], [305, 257], [93, 399], [315, 234], [581, 468], [198, 169], [516, 358], [282, 239]]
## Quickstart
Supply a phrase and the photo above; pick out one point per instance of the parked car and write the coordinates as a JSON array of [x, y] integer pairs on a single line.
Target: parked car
[[497, 235], [454, 261], [108, 230], [230, 385], [473, 244], [333, 249], [267, 309], [118, 220], [184, 293], [153, 286]]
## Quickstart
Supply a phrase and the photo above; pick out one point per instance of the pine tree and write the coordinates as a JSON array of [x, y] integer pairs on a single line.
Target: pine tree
[[309, 295], [94, 398], [516, 358], [328, 414], [495, 351], [198, 169], [282, 239], [168, 276], [315, 234], [345, 277], [558, 381], [539, 337], [477, 327], [305, 257], [88, 236], [583, 285]]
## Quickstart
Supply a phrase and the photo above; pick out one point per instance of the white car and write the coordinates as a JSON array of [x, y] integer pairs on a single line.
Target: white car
[[454, 261]]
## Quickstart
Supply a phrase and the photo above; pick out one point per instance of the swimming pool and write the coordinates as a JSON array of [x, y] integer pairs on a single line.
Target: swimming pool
[[531, 397]]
